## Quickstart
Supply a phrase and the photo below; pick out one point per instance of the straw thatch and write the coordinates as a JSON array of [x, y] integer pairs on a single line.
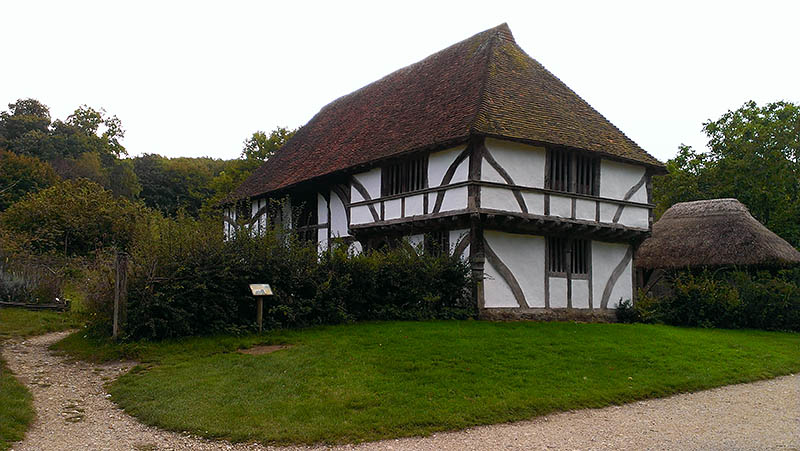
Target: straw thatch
[[713, 232]]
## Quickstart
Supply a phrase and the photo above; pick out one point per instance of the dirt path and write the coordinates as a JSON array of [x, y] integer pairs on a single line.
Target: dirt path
[[75, 413]]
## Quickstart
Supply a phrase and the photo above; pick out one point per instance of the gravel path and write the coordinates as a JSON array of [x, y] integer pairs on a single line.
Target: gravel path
[[74, 413]]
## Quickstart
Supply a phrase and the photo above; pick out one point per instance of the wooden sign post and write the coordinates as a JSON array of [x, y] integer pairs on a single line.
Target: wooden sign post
[[259, 290]]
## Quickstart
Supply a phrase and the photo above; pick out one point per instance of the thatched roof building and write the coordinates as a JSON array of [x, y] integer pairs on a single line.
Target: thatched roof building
[[713, 232]]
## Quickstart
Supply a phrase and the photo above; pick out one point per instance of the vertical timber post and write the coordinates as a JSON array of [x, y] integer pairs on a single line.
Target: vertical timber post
[[477, 257], [260, 312], [115, 327], [120, 292]]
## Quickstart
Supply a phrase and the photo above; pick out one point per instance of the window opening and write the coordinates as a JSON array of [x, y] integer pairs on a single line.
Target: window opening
[[405, 176]]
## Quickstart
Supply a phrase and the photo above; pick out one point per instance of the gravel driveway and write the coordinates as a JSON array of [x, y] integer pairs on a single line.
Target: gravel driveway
[[74, 413]]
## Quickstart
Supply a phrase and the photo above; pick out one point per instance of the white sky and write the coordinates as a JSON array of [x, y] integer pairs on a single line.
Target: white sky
[[197, 78]]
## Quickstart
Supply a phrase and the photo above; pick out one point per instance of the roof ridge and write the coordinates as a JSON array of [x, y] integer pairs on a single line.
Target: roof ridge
[[483, 85], [530, 59]]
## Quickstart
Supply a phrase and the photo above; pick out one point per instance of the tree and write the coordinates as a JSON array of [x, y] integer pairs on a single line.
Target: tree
[[173, 184], [257, 149], [754, 156], [21, 174], [26, 116], [74, 217], [88, 120], [261, 146]]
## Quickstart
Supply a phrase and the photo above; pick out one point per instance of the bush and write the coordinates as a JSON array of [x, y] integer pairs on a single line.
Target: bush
[[73, 218], [186, 280], [767, 300], [701, 301], [29, 281]]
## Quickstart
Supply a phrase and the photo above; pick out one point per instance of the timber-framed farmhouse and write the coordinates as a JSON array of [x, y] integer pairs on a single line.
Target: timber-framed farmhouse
[[480, 150]]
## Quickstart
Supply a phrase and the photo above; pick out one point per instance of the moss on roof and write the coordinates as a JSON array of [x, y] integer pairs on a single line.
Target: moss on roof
[[484, 85]]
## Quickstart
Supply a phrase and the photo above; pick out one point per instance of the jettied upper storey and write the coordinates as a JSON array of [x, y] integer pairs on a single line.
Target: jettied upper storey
[[485, 85]]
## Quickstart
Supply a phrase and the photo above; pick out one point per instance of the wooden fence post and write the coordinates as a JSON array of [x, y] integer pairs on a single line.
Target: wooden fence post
[[120, 291]]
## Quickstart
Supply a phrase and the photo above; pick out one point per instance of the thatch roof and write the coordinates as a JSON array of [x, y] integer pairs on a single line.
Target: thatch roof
[[485, 85], [713, 232]]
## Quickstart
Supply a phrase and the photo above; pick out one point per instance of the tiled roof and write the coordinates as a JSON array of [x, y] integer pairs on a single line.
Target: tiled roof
[[484, 85]]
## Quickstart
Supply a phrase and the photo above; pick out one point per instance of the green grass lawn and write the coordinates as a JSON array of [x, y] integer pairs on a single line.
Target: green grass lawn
[[378, 380], [15, 322], [16, 408]]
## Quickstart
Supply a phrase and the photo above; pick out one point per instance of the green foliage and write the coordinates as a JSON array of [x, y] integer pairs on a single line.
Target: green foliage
[[21, 174], [754, 156], [171, 185], [261, 146], [185, 280], [85, 145], [29, 283], [74, 217], [24, 119], [257, 149], [16, 408], [235, 172], [727, 299], [701, 301], [16, 322], [377, 380]]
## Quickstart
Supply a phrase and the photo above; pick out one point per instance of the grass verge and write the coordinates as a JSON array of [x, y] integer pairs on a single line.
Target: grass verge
[[16, 322], [16, 406], [379, 380]]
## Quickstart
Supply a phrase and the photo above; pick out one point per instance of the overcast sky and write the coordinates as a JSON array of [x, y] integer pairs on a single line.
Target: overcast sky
[[197, 78]]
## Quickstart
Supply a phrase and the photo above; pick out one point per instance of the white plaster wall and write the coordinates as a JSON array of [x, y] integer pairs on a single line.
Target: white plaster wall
[[264, 219], [355, 248], [416, 241], [534, 202], [360, 215], [454, 199], [558, 292], [414, 205], [580, 293], [392, 209], [635, 217], [371, 180], [231, 228], [499, 199], [524, 163], [322, 239], [524, 257], [607, 212], [490, 174], [606, 257], [438, 162], [585, 209], [226, 228], [253, 210], [617, 178], [322, 209], [496, 291], [631, 216], [560, 206], [455, 237], [286, 213], [338, 217]]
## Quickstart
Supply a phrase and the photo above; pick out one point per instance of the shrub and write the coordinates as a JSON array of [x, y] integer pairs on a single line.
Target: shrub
[[701, 301], [73, 218], [185, 280], [767, 300], [29, 279]]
